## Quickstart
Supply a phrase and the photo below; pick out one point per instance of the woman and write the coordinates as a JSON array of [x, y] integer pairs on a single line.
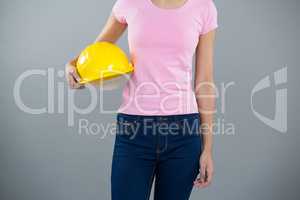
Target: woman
[[159, 133]]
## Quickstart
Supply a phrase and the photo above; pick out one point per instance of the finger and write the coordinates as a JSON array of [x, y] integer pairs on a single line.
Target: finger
[[201, 176], [198, 182], [71, 82], [73, 73], [205, 184], [209, 177], [77, 86]]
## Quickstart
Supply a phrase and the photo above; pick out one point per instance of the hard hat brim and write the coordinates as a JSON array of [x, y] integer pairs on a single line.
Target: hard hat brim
[[84, 81]]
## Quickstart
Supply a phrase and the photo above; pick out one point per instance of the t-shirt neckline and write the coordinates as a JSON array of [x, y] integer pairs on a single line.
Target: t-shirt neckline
[[150, 2]]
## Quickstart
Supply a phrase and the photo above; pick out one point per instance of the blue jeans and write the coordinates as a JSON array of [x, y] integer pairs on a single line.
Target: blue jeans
[[166, 148]]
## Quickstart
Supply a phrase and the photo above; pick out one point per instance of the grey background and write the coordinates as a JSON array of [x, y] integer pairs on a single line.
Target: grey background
[[42, 158]]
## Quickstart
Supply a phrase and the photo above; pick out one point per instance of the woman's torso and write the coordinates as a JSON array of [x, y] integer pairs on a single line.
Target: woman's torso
[[161, 43]]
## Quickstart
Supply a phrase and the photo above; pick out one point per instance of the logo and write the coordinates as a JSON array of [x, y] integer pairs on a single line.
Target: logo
[[279, 122]]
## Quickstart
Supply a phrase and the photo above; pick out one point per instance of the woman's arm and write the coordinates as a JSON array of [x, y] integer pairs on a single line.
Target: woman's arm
[[111, 32], [205, 94]]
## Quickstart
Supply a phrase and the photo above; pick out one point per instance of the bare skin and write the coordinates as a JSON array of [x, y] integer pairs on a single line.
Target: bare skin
[[204, 84], [205, 93]]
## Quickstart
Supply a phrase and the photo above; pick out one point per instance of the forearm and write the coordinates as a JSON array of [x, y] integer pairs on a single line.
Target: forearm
[[207, 132], [206, 106], [205, 89]]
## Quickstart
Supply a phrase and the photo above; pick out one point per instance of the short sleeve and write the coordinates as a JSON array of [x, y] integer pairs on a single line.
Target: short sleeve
[[119, 11], [210, 18]]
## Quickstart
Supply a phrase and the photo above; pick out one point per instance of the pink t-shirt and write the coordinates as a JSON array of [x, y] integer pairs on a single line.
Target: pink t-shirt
[[162, 43]]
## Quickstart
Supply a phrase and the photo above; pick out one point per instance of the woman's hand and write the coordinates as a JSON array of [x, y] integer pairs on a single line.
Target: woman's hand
[[72, 76], [206, 170]]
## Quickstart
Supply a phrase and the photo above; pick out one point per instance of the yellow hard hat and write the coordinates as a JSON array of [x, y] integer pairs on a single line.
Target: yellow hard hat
[[102, 60]]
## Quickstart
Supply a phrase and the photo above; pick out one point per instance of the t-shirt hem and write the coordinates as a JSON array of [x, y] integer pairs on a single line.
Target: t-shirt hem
[[159, 113], [210, 29]]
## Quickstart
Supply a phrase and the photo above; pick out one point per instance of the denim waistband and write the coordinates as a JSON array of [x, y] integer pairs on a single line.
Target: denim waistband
[[158, 118]]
